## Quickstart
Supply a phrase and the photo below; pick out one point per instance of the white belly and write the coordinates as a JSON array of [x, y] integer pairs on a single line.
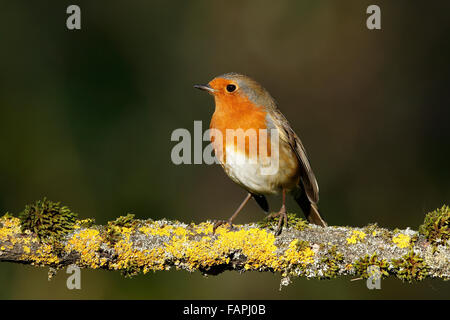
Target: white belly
[[260, 176]]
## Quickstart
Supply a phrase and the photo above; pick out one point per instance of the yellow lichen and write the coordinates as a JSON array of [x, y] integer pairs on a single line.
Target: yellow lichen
[[258, 246], [402, 240], [130, 257], [356, 237], [145, 230], [86, 243], [10, 226], [192, 248], [292, 256], [43, 256]]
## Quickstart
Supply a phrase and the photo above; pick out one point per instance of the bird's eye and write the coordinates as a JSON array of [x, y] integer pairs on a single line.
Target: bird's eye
[[231, 87]]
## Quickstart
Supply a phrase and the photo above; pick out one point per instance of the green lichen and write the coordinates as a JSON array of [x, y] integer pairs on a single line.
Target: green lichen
[[411, 267], [112, 234], [332, 260], [113, 231], [124, 221], [371, 228], [86, 223], [6, 216], [47, 219], [293, 221], [302, 244], [375, 231], [132, 269], [362, 266], [57, 248], [436, 227]]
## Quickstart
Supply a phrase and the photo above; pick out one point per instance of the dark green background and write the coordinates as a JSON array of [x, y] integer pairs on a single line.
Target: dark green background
[[86, 118]]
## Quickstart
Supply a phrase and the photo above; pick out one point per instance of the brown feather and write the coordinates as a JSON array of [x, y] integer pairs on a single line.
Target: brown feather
[[287, 134]]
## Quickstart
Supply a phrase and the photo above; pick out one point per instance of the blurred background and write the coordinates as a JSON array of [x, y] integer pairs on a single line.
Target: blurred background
[[86, 118]]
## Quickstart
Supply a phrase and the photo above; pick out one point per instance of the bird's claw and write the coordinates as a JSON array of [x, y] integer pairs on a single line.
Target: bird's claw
[[282, 219], [218, 223]]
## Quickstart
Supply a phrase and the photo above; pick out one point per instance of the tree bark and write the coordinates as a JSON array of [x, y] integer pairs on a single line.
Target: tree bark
[[304, 250]]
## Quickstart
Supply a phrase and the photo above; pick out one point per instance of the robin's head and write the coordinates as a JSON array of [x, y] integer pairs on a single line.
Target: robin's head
[[234, 89]]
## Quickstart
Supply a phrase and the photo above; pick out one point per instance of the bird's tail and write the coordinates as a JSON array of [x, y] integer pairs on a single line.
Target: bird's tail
[[309, 208]]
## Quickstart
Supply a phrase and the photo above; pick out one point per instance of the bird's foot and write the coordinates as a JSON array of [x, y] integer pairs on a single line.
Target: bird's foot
[[218, 223], [282, 215]]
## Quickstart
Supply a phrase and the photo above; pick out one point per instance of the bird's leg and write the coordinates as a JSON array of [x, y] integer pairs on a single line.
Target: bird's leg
[[229, 221], [281, 214]]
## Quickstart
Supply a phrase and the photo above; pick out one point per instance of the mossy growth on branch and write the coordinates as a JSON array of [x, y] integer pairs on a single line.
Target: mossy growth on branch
[[47, 219], [86, 223], [6, 216], [411, 267], [364, 265], [124, 221], [436, 227], [113, 231], [332, 260]]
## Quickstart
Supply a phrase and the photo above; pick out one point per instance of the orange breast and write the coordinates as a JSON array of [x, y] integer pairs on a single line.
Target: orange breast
[[237, 112]]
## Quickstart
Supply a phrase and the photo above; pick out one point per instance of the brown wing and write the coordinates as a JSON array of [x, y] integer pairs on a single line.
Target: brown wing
[[288, 135]]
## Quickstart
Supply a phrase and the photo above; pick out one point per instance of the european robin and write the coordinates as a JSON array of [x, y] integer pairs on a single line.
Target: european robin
[[242, 103]]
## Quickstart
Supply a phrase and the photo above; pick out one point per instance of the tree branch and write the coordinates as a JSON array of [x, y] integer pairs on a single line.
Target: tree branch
[[132, 246]]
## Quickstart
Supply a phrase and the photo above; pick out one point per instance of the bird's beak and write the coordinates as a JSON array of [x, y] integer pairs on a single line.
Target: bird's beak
[[205, 87]]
